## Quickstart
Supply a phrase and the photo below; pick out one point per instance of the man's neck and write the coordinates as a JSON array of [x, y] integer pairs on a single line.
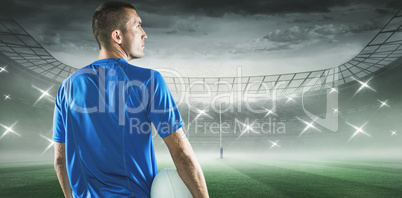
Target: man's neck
[[112, 53]]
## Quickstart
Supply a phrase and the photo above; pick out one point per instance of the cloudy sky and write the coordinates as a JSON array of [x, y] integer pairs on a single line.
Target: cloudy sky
[[214, 38]]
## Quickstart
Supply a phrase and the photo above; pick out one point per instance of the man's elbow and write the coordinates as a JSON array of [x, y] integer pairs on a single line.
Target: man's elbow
[[186, 158], [59, 162]]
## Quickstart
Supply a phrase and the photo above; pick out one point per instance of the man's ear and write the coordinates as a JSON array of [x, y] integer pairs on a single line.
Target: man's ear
[[117, 37]]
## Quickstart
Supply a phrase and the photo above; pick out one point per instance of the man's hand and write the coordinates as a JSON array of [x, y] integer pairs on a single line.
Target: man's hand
[[61, 170], [186, 163]]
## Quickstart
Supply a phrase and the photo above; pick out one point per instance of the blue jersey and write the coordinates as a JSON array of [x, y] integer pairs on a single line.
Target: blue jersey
[[103, 113]]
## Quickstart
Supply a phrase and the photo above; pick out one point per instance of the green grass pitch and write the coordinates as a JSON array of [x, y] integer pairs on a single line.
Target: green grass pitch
[[244, 178]]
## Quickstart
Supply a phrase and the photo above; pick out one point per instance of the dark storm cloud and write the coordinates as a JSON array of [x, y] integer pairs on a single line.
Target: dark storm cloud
[[297, 34], [65, 26], [58, 25], [302, 35], [211, 8], [325, 17], [74, 16], [397, 4], [65, 14], [215, 8], [150, 20], [48, 18], [329, 32], [383, 11]]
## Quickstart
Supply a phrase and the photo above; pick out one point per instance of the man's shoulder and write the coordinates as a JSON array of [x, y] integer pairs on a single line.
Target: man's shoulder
[[139, 69], [143, 73], [84, 71], [129, 71]]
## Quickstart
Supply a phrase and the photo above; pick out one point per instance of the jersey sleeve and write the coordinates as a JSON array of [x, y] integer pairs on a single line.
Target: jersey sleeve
[[162, 110], [58, 119]]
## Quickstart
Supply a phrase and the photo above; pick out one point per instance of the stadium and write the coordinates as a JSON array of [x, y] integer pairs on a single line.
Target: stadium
[[331, 132]]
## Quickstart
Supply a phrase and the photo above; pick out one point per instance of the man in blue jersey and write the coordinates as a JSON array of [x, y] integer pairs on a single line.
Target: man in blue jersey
[[103, 115]]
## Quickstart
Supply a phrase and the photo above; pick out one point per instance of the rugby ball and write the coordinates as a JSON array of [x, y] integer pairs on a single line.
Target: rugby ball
[[168, 184]]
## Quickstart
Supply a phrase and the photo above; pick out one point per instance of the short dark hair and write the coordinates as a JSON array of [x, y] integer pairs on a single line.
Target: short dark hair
[[107, 17]]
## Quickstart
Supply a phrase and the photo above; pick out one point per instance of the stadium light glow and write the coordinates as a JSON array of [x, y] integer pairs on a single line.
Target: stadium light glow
[[290, 99], [393, 133], [9, 129], [200, 113], [358, 130], [274, 144], [333, 89], [44, 94], [383, 103], [6, 97], [3, 69], [50, 144], [246, 128], [269, 112], [308, 126], [363, 85]]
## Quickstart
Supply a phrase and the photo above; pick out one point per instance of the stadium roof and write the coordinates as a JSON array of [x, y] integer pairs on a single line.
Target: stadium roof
[[382, 50]]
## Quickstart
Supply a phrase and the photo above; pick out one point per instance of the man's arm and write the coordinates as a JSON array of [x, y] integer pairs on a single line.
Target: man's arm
[[61, 169], [186, 163]]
